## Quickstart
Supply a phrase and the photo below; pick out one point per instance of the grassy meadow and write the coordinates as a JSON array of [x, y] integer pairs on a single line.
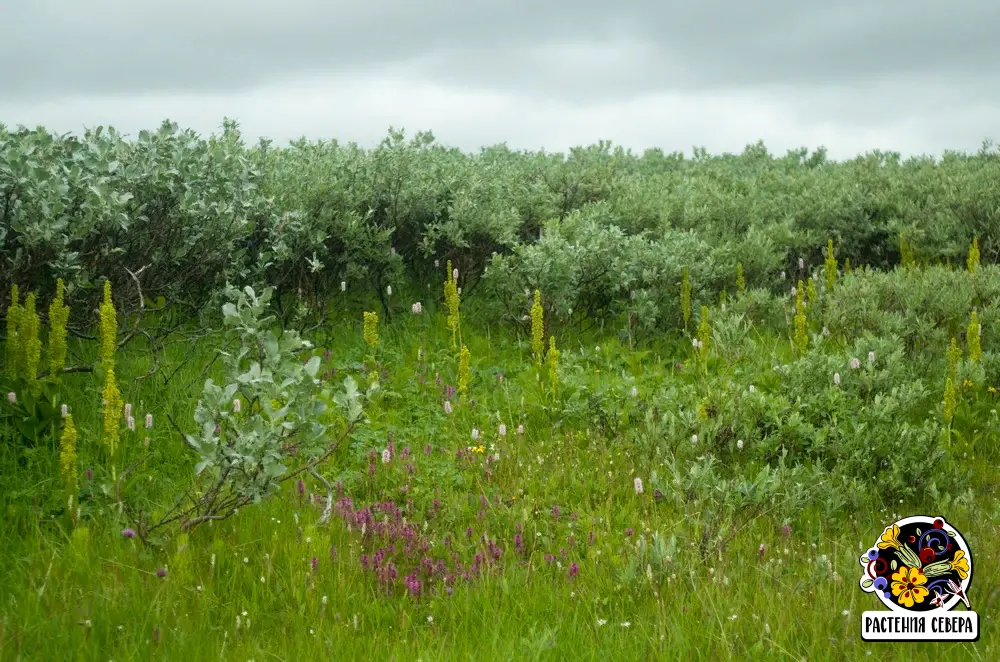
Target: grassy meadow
[[694, 477]]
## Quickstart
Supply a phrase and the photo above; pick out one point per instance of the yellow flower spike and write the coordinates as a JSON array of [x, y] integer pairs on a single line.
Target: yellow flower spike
[[889, 538], [537, 328], [58, 317], [371, 329]]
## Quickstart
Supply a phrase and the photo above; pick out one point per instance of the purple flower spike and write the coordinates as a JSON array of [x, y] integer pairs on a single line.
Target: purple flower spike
[[128, 533], [161, 572]]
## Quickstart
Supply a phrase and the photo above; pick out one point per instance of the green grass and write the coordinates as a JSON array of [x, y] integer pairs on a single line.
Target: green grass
[[775, 578]]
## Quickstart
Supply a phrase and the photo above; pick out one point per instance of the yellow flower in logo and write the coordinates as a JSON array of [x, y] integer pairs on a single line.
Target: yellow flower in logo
[[960, 564], [890, 538], [908, 586]]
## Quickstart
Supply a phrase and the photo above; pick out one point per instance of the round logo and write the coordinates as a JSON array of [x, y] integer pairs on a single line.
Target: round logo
[[918, 564]]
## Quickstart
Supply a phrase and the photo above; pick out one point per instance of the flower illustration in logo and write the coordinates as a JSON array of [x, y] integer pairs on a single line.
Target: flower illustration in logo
[[918, 564]]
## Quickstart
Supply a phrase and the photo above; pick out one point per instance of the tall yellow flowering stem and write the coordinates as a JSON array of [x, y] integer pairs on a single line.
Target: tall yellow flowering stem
[[371, 335], [972, 262], [801, 335], [830, 267], [58, 317], [112, 412], [537, 328], [31, 344], [67, 457], [973, 340], [109, 329], [463, 371], [686, 298], [704, 336], [451, 298]]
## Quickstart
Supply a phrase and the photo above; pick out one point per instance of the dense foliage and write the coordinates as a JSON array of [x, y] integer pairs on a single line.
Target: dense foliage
[[645, 395]]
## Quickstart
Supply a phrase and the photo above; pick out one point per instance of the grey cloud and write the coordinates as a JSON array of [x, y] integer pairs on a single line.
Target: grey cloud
[[58, 48]]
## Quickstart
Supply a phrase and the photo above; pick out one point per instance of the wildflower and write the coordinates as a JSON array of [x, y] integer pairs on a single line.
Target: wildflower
[[537, 327], [739, 444], [315, 564], [236, 405], [64, 410], [694, 439], [447, 406], [855, 364], [626, 624], [503, 430], [371, 329], [629, 532], [520, 429], [602, 622], [836, 378], [454, 274], [161, 572], [416, 308], [802, 263], [437, 264], [131, 423], [12, 398], [128, 533], [386, 456], [388, 290], [343, 286], [475, 434], [782, 275], [794, 291], [871, 357], [752, 388], [574, 570], [128, 410], [149, 421]]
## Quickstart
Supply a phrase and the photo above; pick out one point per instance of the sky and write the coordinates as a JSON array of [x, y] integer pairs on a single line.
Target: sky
[[911, 76]]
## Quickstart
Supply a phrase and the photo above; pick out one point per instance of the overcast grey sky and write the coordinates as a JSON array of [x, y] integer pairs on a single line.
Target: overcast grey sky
[[907, 75]]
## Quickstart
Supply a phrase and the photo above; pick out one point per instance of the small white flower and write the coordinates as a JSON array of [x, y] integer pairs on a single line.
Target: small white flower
[[64, 410], [635, 392], [454, 274], [836, 378], [602, 622], [262, 579], [475, 434], [149, 421], [447, 406], [739, 444], [246, 560], [131, 423], [343, 286], [460, 290], [846, 612], [388, 290], [694, 439], [128, 409], [430, 619], [793, 290], [802, 263], [520, 429], [503, 430], [236, 405], [782, 275], [386, 456], [871, 357], [12, 398], [638, 485], [733, 617], [323, 599], [437, 263], [752, 388], [626, 624], [855, 364]]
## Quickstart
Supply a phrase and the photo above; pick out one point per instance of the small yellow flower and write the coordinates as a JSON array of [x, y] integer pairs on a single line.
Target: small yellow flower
[[960, 564], [992, 390], [967, 384], [908, 585], [890, 538]]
